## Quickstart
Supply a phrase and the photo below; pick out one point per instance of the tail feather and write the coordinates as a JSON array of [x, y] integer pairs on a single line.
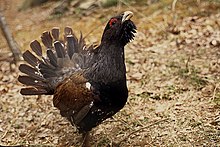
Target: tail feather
[[36, 47], [81, 43], [55, 33], [47, 71], [46, 64], [31, 72], [29, 81], [33, 91], [91, 47], [47, 39], [59, 49], [52, 58], [63, 58], [71, 45], [68, 31], [31, 59]]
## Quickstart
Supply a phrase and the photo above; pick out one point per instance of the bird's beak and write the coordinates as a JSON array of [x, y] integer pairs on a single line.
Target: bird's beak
[[126, 16]]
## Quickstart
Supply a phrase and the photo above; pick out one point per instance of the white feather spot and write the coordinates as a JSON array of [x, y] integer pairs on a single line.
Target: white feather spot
[[88, 85], [91, 104]]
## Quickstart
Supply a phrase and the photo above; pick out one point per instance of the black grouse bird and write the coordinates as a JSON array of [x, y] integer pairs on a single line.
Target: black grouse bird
[[88, 84]]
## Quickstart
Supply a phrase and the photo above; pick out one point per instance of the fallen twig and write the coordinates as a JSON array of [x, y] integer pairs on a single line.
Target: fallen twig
[[141, 129], [10, 40], [214, 92]]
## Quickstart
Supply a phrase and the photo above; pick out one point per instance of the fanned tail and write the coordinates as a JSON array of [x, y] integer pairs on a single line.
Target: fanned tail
[[63, 57]]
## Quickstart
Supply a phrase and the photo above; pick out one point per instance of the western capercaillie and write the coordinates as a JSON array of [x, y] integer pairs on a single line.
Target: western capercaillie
[[88, 84]]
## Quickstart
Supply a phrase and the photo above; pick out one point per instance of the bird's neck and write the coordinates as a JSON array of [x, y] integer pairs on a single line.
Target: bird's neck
[[112, 56], [108, 75], [113, 51], [110, 65]]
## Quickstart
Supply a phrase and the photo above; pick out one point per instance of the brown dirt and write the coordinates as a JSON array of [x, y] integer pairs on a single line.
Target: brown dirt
[[173, 70]]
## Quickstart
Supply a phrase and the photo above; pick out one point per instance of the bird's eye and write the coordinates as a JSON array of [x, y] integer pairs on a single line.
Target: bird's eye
[[112, 22]]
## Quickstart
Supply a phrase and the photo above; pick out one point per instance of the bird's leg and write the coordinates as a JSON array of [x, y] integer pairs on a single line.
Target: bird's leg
[[85, 137]]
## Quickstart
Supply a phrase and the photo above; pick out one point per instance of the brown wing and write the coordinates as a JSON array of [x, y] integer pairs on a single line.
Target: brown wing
[[73, 98]]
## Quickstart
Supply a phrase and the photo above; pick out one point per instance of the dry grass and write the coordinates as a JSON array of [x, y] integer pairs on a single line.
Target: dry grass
[[173, 78]]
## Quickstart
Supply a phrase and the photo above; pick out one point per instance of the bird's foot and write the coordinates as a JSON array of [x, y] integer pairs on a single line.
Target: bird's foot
[[86, 139]]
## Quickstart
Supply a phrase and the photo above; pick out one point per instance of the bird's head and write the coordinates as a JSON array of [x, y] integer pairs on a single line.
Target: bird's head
[[120, 29]]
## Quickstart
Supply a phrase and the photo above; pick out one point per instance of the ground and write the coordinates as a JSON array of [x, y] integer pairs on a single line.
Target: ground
[[173, 72]]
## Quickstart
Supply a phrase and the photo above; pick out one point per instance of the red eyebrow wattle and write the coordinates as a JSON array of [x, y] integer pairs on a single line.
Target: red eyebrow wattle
[[112, 21]]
